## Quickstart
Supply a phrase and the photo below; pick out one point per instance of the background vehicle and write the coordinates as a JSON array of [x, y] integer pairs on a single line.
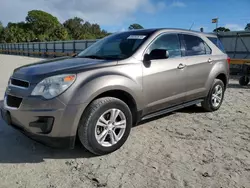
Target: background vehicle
[[120, 80]]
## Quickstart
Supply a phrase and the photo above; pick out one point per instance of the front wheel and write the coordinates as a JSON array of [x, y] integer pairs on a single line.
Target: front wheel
[[105, 125], [215, 96]]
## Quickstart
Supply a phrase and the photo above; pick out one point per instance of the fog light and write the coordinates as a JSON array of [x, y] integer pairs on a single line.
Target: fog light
[[44, 123]]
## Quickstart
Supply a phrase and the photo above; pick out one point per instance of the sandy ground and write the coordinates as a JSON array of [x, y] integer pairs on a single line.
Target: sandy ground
[[188, 148]]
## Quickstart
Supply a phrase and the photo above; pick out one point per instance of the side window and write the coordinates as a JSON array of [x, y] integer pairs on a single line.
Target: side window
[[169, 42], [217, 42], [195, 46], [207, 48]]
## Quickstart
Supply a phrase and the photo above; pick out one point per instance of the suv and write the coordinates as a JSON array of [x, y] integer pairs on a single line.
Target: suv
[[120, 80]]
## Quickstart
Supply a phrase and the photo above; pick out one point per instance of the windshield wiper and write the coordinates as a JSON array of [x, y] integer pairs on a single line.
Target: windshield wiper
[[92, 57]]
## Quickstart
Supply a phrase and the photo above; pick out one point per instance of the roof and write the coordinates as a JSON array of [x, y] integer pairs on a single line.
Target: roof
[[152, 30]]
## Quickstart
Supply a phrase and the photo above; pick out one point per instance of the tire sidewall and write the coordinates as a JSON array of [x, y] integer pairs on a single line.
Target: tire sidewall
[[92, 124], [216, 82]]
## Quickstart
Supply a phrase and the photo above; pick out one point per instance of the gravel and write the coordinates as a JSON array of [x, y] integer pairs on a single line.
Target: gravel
[[187, 148]]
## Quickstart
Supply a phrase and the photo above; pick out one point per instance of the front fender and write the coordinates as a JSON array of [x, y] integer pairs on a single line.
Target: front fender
[[93, 86]]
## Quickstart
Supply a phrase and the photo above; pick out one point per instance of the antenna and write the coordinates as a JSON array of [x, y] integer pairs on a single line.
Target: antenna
[[191, 26]]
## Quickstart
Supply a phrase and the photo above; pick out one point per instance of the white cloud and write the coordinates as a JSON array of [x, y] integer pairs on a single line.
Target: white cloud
[[105, 12], [234, 27], [178, 4]]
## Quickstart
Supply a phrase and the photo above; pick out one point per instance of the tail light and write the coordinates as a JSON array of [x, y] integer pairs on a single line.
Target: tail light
[[228, 60]]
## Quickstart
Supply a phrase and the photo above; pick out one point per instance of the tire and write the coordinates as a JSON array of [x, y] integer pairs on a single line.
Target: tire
[[208, 104], [244, 80], [88, 128]]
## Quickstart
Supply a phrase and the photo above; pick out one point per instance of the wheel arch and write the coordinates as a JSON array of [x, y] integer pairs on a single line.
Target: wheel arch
[[223, 78], [124, 96], [219, 71]]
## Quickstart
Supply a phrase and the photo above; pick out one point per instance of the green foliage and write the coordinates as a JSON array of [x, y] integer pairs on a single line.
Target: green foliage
[[74, 27], [59, 33], [14, 33], [221, 29], [1, 32], [135, 26], [41, 22], [247, 28], [42, 26], [78, 29]]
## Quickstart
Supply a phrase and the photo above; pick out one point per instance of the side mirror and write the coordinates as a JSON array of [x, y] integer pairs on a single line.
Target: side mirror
[[159, 54], [146, 58]]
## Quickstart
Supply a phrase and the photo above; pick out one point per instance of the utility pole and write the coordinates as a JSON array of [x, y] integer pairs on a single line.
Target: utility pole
[[216, 20]]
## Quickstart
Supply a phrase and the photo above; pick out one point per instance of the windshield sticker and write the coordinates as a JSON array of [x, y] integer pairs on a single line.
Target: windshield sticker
[[139, 37]]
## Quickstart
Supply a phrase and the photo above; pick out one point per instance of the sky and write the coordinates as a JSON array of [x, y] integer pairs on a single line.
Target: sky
[[117, 15]]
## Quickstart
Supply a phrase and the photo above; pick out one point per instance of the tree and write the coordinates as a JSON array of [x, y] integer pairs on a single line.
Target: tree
[[221, 29], [135, 26], [78, 29], [1, 33], [59, 33], [247, 28], [41, 23], [13, 33], [42, 26], [74, 27]]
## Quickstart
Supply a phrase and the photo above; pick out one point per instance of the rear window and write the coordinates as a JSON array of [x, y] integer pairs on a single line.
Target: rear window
[[218, 43], [195, 45]]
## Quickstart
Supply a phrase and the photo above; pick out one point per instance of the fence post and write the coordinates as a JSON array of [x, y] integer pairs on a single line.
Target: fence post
[[54, 47], [74, 46], [33, 48], [86, 44], [39, 48], [46, 49], [28, 49], [63, 47]]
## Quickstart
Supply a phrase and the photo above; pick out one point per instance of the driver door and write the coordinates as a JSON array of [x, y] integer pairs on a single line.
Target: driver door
[[164, 79]]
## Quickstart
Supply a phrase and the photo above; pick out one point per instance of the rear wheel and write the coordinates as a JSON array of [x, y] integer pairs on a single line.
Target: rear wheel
[[215, 96], [105, 125], [244, 80]]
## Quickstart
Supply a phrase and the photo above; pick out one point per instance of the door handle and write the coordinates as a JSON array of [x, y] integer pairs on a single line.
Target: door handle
[[181, 66], [209, 60]]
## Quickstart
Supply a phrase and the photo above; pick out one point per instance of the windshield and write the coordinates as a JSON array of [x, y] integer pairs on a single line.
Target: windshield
[[117, 46]]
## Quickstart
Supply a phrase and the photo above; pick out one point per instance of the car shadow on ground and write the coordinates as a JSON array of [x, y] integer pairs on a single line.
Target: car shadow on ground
[[238, 86], [17, 148]]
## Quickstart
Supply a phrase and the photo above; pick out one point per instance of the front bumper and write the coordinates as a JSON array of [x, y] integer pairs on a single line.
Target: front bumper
[[61, 134]]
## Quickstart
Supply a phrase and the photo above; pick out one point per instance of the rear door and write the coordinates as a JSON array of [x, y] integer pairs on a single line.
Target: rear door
[[199, 63]]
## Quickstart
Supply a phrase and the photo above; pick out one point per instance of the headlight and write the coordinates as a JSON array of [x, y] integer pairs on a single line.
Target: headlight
[[53, 86]]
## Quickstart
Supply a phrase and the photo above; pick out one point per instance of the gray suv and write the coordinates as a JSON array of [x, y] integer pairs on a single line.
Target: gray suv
[[100, 93]]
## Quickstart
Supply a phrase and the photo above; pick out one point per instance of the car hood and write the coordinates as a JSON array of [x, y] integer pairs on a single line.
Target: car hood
[[37, 71]]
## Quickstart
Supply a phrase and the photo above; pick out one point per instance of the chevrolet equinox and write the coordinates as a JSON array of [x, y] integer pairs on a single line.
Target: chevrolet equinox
[[122, 79]]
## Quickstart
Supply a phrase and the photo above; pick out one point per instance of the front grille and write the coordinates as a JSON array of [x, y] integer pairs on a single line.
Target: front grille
[[13, 101], [19, 83]]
